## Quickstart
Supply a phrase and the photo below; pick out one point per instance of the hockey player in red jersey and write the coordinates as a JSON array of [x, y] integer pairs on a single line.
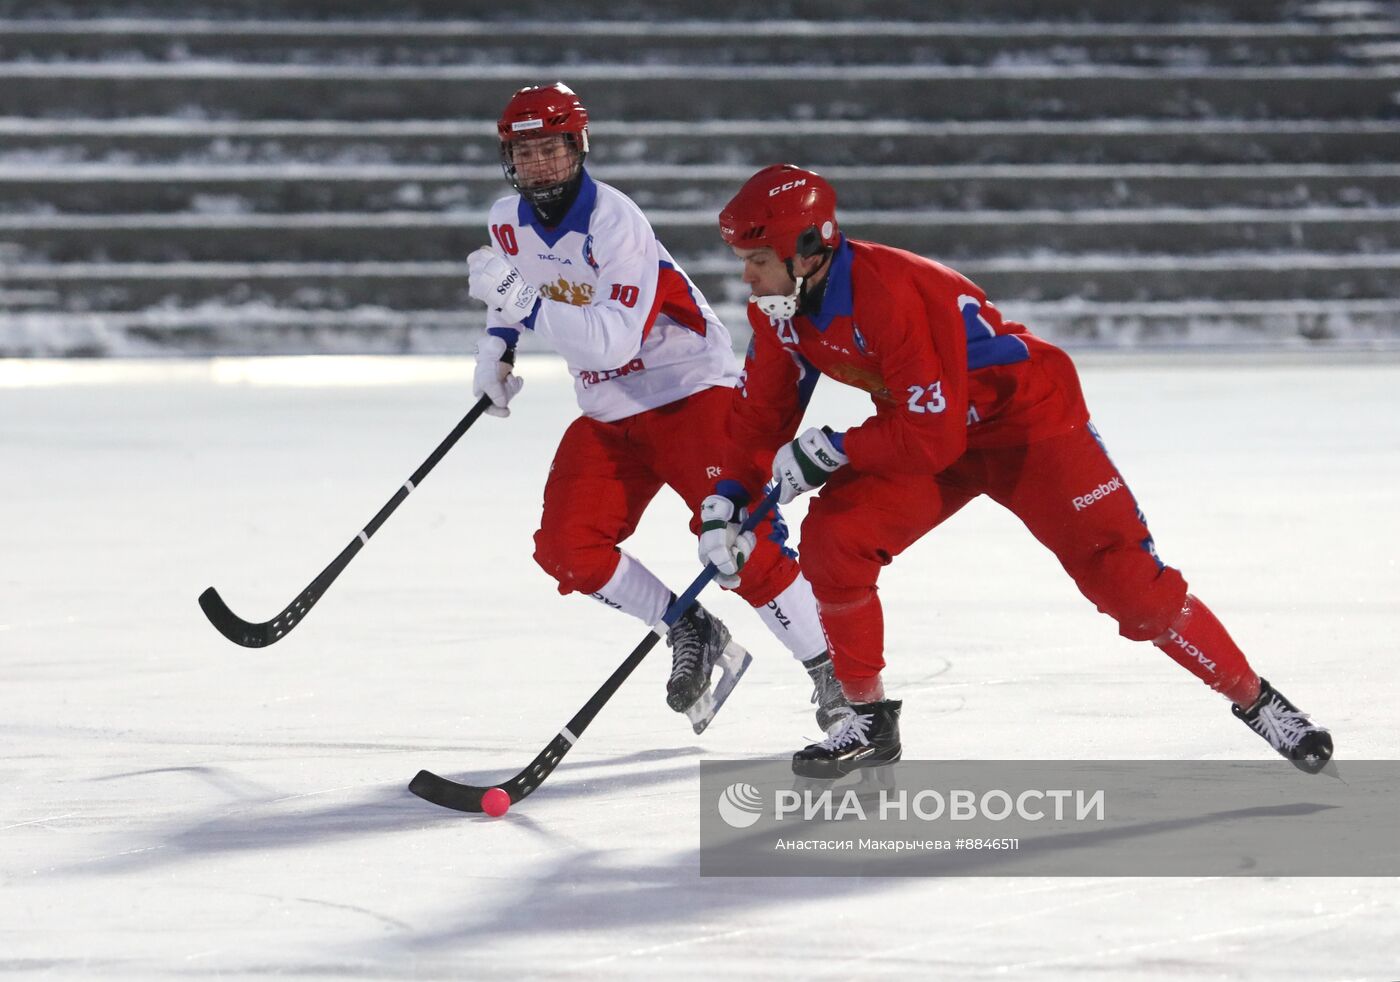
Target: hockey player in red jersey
[[966, 404], [576, 262]]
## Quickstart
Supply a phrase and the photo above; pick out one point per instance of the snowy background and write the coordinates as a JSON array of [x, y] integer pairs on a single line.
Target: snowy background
[[176, 806], [294, 176]]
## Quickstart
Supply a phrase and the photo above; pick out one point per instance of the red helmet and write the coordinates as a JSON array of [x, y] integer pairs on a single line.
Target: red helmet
[[788, 209], [538, 111]]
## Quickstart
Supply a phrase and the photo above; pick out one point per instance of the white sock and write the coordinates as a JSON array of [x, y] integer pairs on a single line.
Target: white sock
[[792, 617], [635, 590]]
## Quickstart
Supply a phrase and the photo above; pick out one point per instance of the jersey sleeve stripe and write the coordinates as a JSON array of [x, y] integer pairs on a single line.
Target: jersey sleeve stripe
[[678, 299], [985, 347]]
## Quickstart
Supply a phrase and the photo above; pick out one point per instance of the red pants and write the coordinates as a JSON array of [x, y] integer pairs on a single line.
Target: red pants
[[1065, 489], [605, 474]]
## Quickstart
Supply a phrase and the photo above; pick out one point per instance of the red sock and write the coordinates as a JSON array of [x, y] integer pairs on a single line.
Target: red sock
[[1200, 644], [855, 635]]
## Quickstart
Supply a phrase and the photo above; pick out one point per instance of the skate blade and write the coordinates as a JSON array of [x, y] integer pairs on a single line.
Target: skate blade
[[876, 782], [864, 781], [733, 663], [1330, 770]]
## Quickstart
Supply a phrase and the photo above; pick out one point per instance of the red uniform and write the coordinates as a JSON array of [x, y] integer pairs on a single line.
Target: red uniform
[[617, 468], [965, 404]]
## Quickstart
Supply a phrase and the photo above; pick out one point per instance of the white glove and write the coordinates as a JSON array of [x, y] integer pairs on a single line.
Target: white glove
[[721, 542], [494, 378], [806, 463], [499, 285]]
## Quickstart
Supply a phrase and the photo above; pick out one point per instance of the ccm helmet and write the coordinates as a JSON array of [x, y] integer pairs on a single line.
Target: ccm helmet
[[538, 112], [791, 211], [788, 209]]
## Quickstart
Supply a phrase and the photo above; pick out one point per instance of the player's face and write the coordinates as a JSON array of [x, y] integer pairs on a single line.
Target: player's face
[[764, 272], [543, 161]]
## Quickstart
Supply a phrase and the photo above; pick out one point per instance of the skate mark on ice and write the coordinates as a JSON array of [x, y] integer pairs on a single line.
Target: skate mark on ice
[[37, 821], [232, 785], [382, 918]]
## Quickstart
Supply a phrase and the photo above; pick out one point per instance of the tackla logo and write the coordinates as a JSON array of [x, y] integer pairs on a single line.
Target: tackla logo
[[740, 805]]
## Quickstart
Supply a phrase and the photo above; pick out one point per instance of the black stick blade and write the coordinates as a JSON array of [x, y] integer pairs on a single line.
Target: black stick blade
[[448, 794], [233, 627], [251, 635], [467, 797], [246, 633]]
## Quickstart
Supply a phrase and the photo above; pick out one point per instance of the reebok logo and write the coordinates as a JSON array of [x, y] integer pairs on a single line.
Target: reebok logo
[[1193, 651], [1102, 491]]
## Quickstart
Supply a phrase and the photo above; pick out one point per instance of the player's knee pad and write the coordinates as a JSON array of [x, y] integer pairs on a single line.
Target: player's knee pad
[[845, 599], [577, 566], [836, 556], [1129, 585]]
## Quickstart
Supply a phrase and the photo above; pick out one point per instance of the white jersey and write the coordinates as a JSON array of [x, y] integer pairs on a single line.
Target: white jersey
[[635, 331]]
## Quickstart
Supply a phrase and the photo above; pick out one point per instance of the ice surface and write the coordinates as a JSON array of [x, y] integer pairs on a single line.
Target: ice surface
[[176, 806]]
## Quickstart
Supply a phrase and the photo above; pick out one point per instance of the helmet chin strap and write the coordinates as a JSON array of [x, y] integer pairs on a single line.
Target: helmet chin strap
[[779, 306], [786, 307]]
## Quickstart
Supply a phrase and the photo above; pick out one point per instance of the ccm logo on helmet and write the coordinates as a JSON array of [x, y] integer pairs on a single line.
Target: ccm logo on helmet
[[787, 187]]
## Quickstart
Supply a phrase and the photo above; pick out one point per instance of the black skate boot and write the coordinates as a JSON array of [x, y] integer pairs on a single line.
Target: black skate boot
[[826, 695], [867, 735], [699, 643], [1288, 731]]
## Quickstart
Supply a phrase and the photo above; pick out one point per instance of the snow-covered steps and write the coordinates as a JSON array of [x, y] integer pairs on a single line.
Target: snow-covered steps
[[554, 45], [738, 142], [404, 285], [255, 328], [221, 90], [631, 11], [1127, 174], [37, 188], [954, 235]]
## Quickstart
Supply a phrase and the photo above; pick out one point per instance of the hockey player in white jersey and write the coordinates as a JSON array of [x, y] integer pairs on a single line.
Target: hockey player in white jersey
[[576, 262]]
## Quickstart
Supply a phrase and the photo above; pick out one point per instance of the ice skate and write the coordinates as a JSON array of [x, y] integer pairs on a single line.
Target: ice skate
[[699, 644], [1288, 730], [826, 695], [866, 735]]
